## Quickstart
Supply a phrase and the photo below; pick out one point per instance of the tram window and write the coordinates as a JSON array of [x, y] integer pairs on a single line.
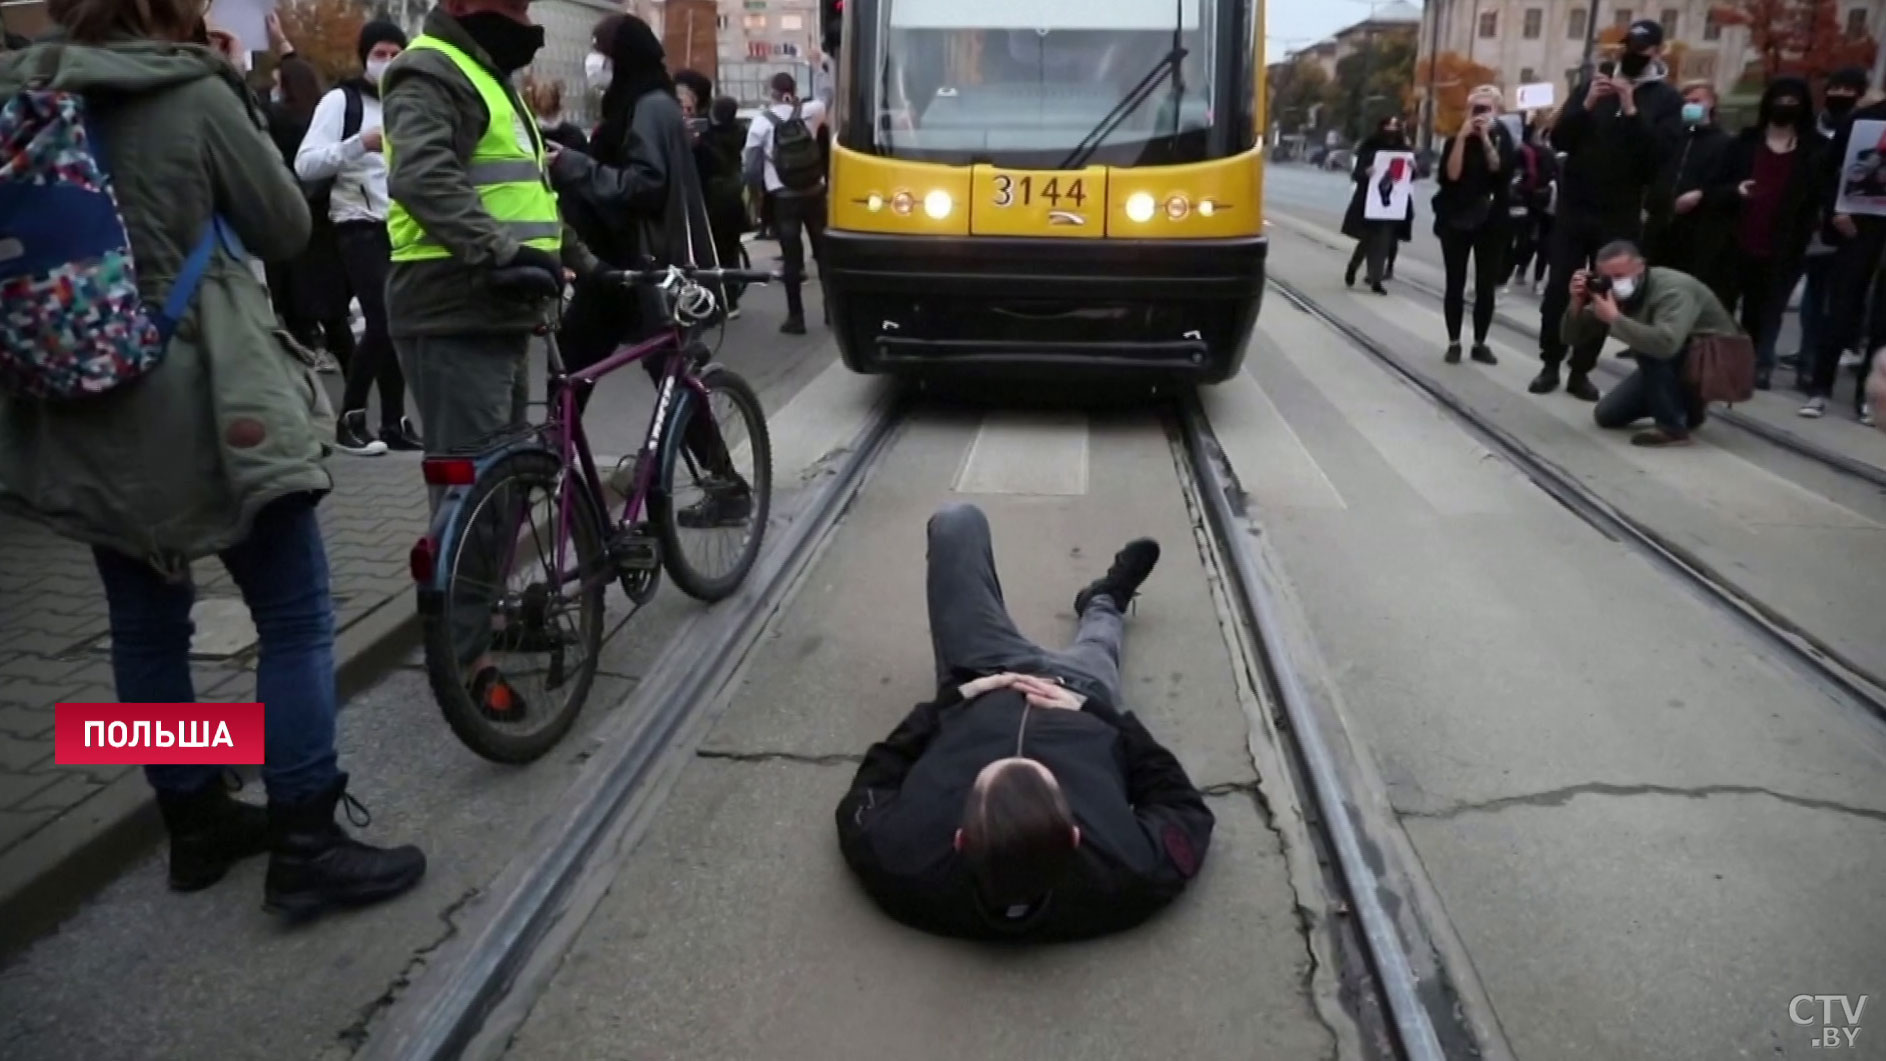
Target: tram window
[[1039, 75]]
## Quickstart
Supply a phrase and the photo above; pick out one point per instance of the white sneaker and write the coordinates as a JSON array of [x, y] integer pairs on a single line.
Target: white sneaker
[[1850, 359], [1866, 415], [1815, 408]]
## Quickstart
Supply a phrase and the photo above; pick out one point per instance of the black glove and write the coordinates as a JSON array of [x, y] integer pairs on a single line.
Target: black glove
[[530, 274]]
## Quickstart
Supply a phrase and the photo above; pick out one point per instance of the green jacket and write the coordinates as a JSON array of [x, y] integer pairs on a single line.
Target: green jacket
[[1676, 307], [433, 117], [172, 467]]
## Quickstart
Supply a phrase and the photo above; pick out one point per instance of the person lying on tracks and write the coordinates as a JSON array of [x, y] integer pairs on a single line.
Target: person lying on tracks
[[1022, 803], [1657, 313]]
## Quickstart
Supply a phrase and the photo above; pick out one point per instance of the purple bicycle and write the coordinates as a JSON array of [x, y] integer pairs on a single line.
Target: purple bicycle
[[512, 573]]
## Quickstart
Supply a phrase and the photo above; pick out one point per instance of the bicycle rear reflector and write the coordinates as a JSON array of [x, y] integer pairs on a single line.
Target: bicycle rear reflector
[[423, 559], [449, 471]]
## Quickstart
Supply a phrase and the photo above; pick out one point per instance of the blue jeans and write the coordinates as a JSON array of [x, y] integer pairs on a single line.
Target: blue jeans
[[1655, 390], [281, 569]]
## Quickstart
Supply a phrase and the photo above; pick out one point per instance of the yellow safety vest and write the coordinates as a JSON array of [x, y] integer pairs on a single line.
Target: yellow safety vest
[[508, 172]]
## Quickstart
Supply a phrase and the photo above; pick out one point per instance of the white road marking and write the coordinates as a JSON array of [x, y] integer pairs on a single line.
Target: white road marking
[[1270, 460], [1026, 453], [1432, 454]]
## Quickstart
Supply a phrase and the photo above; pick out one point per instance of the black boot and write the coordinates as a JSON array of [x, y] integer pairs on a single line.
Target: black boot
[[1579, 386], [1547, 380], [315, 866], [209, 832], [1130, 567]]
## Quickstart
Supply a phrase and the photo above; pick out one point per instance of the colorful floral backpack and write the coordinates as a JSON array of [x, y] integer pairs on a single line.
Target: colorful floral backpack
[[72, 324]]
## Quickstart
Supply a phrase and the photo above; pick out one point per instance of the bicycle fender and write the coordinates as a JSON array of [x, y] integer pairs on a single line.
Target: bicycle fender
[[446, 528]]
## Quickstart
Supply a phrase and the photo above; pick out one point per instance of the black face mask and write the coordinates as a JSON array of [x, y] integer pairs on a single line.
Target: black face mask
[[1839, 107], [1784, 114], [510, 43], [1633, 64]]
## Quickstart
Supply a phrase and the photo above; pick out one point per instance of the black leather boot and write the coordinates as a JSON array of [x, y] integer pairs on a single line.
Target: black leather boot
[[314, 866], [209, 832]]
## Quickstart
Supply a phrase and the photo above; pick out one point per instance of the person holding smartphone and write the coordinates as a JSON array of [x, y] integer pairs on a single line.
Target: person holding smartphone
[[1471, 217], [1618, 131]]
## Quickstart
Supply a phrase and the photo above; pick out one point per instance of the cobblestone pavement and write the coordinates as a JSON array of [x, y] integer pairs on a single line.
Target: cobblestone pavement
[[54, 644]]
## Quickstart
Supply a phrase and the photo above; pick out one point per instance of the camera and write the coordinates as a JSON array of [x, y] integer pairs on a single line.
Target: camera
[[1597, 284]]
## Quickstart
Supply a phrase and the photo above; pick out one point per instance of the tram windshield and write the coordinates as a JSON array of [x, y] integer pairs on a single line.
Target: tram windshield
[[994, 79]]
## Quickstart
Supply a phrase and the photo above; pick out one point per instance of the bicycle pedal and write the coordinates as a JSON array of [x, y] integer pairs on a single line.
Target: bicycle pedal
[[635, 550]]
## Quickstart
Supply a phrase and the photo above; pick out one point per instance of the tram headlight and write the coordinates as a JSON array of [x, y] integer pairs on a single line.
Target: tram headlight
[[938, 204], [901, 203], [1140, 207], [874, 202], [1177, 207], [1207, 208]]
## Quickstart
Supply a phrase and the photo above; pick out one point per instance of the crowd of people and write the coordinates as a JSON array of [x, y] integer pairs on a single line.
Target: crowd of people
[[1631, 159]]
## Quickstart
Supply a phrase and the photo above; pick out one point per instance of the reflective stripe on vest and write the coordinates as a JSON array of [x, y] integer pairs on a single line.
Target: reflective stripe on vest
[[508, 173]]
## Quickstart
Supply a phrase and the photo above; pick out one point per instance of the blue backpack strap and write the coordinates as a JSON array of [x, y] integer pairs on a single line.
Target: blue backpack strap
[[190, 276]]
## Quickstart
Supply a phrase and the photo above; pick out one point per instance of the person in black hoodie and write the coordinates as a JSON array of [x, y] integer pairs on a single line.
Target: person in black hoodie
[[1769, 186], [636, 202], [1618, 131], [1375, 240], [1685, 232], [723, 140], [1022, 803]]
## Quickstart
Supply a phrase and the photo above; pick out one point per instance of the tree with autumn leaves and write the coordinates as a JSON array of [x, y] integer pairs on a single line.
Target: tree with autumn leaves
[[1454, 78], [325, 32], [1800, 38]]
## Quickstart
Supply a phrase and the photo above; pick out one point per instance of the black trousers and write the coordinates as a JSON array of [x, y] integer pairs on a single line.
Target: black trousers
[[1487, 246], [365, 253], [1377, 247], [799, 218], [1576, 238]]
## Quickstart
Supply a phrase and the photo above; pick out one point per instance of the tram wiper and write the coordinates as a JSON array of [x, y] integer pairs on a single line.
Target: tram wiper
[[1138, 94]]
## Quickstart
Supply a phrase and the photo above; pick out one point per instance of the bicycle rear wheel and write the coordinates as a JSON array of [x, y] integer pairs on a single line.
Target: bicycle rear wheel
[[514, 647], [716, 488]]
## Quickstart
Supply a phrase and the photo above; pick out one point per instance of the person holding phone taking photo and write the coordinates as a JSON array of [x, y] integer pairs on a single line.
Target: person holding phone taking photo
[[1471, 217]]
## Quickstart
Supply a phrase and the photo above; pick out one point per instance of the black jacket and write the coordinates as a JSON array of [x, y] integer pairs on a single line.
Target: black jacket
[[1355, 220], [649, 205], [1144, 825], [1800, 212], [1699, 157], [1611, 160], [1479, 197]]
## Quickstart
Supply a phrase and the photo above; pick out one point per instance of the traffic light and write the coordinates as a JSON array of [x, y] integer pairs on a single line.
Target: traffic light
[[832, 25]]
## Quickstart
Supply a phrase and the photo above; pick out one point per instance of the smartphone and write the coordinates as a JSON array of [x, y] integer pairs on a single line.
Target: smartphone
[[1608, 68]]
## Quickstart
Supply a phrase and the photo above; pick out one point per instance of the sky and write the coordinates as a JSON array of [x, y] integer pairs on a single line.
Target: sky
[[1292, 24]]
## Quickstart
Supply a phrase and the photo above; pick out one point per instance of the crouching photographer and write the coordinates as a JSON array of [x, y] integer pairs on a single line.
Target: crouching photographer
[[1660, 314]]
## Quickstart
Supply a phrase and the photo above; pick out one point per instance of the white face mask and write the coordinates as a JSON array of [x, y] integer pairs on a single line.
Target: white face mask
[[376, 69], [598, 69], [1624, 288]]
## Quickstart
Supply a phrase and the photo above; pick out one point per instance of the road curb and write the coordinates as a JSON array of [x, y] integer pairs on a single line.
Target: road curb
[[48, 876]]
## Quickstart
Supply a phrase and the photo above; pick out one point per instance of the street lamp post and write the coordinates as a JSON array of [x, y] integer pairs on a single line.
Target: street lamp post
[[1591, 42], [1430, 104]]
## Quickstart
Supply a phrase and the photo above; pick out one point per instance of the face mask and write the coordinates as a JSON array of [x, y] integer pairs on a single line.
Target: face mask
[[598, 69], [1624, 288], [376, 69], [510, 43], [1633, 64], [1695, 113], [1840, 106], [1784, 114]]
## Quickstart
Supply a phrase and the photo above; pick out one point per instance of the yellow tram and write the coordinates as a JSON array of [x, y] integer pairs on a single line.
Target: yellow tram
[[1046, 187]]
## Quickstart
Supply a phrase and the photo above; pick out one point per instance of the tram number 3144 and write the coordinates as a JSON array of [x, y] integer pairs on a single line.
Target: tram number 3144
[[1011, 190]]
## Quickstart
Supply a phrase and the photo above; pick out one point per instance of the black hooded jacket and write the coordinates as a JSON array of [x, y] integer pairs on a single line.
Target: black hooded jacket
[[1799, 213], [1144, 826], [1612, 160], [1355, 220], [636, 195]]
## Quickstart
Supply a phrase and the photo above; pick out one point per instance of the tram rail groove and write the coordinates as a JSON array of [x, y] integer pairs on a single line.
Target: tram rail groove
[[1385, 952], [1767, 432], [1820, 662], [445, 1010]]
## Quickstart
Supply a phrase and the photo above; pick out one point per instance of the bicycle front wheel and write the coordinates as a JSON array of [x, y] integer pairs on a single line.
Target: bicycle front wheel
[[716, 488], [514, 647]]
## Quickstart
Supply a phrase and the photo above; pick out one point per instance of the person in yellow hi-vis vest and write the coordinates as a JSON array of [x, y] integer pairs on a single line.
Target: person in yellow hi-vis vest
[[469, 196]]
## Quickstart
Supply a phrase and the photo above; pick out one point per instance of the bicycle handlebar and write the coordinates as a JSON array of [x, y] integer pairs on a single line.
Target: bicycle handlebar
[[698, 274]]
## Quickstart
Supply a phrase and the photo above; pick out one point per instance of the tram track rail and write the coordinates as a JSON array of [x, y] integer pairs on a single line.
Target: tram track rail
[[1767, 432], [482, 982], [1811, 656]]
